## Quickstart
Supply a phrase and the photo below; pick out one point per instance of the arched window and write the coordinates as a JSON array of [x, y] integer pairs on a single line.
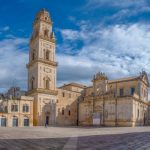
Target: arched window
[[44, 53], [33, 56], [46, 83], [69, 112], [47, 55], [32, 83], [3, 121], [63, 111], [46, 33], [14, 108], [25, 108]]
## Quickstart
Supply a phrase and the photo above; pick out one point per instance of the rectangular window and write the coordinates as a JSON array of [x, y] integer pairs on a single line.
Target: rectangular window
[[132, 91], [121, 92], [69, 112], [25, 108], [63, 112], [138, 113], [14, 108], [63, 94]]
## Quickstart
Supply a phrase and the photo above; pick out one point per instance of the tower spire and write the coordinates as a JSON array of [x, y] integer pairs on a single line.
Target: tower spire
[[42, 66]]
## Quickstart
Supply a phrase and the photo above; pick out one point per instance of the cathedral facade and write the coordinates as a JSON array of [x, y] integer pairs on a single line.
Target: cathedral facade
[[121, 102]]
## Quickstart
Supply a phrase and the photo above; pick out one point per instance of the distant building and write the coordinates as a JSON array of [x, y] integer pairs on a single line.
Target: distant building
[[16, 112], [15, 93]]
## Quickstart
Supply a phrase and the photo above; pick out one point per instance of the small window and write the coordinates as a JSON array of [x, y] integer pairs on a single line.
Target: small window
[[63, 112], [47, 84], [32, 83], [69, 112], [63, 94], [46, 33], [6, 109], [121, 92], [33, 56], [138, 113], [47, 55], [14, 108], [45, 18], [25, 108], [132, 91]]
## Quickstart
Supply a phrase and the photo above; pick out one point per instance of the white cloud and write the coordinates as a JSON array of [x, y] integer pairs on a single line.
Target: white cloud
[[4, 29], [13, 59], [70, 34], [119, 50], [119, 3], [123, 9]]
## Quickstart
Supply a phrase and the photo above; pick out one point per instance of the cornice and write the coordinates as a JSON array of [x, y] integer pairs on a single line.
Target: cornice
[[55, 64], [43, 38], [43, 91]]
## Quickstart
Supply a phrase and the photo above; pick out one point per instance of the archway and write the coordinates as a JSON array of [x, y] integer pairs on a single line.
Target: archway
[[15, 121], [3, 121], [26, 121]]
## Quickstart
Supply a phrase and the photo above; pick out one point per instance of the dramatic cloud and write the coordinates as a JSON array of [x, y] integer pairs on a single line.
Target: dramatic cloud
[[119, 11], [13, 59], [118, 3], [119, 50]]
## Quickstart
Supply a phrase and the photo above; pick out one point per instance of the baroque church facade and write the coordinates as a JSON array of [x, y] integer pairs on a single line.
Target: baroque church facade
[[122, 102]]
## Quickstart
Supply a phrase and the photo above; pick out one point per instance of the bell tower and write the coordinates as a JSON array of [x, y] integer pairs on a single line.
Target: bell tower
[[42, 69]]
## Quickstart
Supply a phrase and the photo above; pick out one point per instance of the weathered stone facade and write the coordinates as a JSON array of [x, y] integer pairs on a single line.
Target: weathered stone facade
[[16, 112], [52, 105], [122, 102]]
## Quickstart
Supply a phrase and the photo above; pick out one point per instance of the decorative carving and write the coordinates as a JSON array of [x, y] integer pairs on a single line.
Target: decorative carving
[[47, 70], [100, 76]]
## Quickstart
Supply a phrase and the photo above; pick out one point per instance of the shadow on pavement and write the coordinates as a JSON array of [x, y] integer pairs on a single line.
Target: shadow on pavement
[[127, 141]]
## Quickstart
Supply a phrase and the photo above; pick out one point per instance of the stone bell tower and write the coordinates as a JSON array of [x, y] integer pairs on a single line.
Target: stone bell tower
[[42, 70]]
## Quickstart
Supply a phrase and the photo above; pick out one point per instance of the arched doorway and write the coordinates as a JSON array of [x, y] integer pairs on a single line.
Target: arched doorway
[[3, 121], [15, 121], [47, 118], [98, 116], [26, 121]]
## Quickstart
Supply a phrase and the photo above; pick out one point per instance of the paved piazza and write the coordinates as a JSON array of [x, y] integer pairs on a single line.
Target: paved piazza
[[75, 138]]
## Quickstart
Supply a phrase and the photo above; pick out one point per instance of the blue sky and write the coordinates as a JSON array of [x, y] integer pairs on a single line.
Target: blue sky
[[92, 35]]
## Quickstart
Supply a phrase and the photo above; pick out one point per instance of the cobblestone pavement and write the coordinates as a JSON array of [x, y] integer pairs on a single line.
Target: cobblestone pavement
[[73, 138]]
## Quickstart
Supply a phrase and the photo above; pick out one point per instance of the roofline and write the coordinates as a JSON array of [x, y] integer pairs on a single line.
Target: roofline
[[123, 79], [73, 84]]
